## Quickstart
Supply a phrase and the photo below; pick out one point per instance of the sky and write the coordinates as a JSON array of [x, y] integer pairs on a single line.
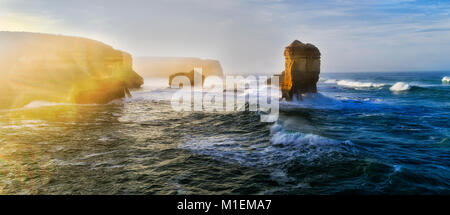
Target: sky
[[249, 36]]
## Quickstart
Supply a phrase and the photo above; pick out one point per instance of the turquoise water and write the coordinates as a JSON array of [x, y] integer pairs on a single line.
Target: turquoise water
[[358, 136]]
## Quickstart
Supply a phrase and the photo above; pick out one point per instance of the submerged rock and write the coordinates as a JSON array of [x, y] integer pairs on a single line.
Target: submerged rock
[[61, 69], [302, 69]]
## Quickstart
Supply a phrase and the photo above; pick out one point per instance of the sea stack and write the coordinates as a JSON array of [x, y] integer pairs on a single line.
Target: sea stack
[[302, 69]]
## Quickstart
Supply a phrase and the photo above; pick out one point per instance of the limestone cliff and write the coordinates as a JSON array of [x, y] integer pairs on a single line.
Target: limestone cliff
[[164, 67], [61, 69], [302, 69]]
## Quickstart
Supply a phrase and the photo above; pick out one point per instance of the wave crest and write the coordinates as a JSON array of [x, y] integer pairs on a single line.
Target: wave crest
[[354, 84], [446, 79], [282, 137], [400, 86]]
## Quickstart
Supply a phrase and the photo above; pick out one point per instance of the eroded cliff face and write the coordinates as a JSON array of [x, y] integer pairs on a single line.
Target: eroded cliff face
[[61, 69], [164, 67], [302, 69]]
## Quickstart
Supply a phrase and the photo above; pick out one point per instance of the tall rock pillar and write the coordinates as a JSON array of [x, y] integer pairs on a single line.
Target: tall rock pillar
[[302, 68]]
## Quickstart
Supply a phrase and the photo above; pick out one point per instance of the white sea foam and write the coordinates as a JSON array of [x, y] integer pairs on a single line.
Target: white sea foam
[[323, 102], [330, 81], [400, 86], [312, 101], [354, 84], [446, 79], [282, 137], [38, 104]]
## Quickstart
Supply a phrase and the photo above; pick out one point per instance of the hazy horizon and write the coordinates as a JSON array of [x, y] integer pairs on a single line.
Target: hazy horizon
[[248, 36]]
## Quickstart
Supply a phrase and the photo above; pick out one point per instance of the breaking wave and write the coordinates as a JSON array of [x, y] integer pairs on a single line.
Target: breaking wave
[[323, 102], [284, 146], [281, 136], [446, 79], [313, 101], [354, 84], [408, 87], [400, 86]]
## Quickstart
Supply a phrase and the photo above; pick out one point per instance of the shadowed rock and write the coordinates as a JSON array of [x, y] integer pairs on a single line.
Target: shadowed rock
[[61, 69]]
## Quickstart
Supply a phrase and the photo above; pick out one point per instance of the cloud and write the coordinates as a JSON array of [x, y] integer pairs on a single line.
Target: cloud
[[434, 30], [248, 36], [26, 22]]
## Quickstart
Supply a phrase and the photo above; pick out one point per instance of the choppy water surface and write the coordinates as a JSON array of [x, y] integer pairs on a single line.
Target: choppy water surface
[[363, 134]]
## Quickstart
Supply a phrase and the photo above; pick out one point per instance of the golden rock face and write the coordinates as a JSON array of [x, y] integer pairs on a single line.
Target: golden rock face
[[302, 69], [61, 69]]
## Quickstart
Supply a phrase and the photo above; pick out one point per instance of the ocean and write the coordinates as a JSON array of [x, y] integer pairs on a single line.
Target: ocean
[[363, 133]]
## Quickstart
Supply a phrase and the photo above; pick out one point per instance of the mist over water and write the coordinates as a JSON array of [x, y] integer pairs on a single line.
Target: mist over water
[[363, 133]]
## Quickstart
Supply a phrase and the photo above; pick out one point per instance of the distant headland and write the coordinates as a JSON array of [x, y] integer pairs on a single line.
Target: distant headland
[[164, 67]]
